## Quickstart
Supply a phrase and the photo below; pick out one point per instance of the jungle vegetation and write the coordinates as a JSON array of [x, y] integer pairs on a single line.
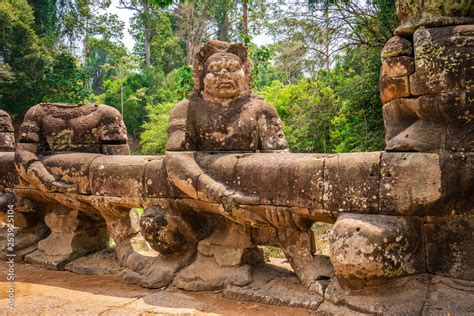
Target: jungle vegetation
[[319, 66]]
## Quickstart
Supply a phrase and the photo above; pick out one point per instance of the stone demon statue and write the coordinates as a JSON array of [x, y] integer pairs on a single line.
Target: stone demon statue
[[51, 129], [60, 128], [223, 116]]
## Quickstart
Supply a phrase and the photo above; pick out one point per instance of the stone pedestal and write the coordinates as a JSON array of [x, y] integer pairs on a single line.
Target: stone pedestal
[[73, 235], [225, 258], [28, 229]]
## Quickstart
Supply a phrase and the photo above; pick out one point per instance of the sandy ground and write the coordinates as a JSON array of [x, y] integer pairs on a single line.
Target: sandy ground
[[44, 292]]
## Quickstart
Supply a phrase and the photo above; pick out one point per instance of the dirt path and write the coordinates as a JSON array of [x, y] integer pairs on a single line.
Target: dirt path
[[44, 292]]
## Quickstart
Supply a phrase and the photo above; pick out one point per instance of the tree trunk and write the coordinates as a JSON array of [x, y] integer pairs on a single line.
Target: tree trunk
[[121, 96], [147, 33], [147, 49], [245, 20], [327, 39], [224, 27]]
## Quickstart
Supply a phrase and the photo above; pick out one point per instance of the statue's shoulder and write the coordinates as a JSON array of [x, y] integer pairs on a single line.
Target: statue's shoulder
[[107, 111], [36, 112], [261, 106], [180, 110]]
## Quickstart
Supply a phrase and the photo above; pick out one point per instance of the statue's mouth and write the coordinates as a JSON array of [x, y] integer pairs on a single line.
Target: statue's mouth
[[226, 85]]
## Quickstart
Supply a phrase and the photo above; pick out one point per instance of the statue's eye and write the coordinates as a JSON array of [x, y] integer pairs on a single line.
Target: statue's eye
[[214, 68], [233, 66]]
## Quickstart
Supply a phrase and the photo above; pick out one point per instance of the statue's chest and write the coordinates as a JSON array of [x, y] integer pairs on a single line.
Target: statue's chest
[[71, 134], [226, 130]]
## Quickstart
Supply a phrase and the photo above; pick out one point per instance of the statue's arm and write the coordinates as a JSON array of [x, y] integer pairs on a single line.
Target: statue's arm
[[270, 131], [29, 166], [186, 174], [113, 132]]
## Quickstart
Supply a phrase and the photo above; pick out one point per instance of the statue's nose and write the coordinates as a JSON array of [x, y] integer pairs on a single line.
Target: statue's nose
[[225, 73]]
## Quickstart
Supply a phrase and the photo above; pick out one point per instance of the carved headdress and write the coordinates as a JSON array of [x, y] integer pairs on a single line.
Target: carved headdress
[[212, 47]]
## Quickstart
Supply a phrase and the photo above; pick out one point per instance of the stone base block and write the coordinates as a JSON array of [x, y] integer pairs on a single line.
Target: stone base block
[[450, 297], [49, 262], [155, 271], [99, 263], [275, 286], [26, 241], [400, 296], [450, 246], [205, 274]]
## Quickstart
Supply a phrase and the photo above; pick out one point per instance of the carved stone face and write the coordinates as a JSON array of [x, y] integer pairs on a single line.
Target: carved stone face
[[225, 77]]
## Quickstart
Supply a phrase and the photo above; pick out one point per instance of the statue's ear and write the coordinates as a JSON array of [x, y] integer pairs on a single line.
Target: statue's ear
[[239, 50], [206, 51]]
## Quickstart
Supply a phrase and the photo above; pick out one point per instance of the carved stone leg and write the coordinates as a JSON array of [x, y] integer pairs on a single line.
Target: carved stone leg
[[73, 235], [222, 259], [312, 270], [145, 267], [28, 228]]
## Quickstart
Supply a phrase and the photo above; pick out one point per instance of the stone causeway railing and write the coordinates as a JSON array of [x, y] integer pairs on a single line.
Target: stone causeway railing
[[403, 234]]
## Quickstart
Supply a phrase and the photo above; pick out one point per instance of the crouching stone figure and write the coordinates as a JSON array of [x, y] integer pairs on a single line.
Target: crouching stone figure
[[224, 116]]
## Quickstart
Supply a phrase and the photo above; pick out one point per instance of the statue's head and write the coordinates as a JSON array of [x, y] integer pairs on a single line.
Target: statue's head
[[222, 71], [5, 122]]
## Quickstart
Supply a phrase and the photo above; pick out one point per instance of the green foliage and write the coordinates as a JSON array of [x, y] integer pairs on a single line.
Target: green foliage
[[135, 99], [103, 60], [154, 137], [63, 80], [307, 109], [184, 81], [177, 85], [46, 20], [22, 51], [161, 3], [359, 124], [261, 63]]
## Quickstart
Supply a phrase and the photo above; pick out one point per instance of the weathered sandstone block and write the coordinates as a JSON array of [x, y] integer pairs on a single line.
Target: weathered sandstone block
[[393, 88], [396, 196], [398, 66], [417, 9], [119, 175], [450, 246], [365, 247], [443, 58], [351, 183], [397, 46]]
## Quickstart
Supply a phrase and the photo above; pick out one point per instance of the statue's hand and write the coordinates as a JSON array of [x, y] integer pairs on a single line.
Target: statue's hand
[[42, 179], [63, 187], [243, 199], [232, 199]]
